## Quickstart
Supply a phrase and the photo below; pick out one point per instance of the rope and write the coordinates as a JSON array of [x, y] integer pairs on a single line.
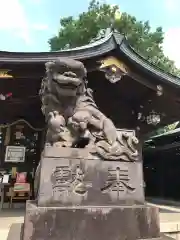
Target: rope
[[20, 121]]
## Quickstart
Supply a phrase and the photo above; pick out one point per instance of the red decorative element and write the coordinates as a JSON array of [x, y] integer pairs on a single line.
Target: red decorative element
[[4, 97], [21, 177], [8, 95]]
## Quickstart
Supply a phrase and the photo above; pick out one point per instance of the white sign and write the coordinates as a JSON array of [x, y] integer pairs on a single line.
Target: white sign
[[5, 178], [15, 154]]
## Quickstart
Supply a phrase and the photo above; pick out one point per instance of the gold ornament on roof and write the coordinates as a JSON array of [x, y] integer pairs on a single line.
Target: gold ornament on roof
[[5, 74]]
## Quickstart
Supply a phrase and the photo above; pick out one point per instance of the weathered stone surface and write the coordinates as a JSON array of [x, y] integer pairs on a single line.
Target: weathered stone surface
[[74, 177], [90, 223], [16, 233]]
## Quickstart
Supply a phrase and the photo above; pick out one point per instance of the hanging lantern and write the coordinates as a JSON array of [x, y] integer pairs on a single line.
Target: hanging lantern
[[153, 118], [159, 90]]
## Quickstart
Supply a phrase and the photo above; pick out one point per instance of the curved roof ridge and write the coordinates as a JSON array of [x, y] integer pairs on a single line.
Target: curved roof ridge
[[89, 45], [131, 53], [112, 41], [83, 47]]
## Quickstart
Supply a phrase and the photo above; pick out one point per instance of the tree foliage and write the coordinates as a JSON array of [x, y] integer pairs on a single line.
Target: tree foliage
[[82, 30]]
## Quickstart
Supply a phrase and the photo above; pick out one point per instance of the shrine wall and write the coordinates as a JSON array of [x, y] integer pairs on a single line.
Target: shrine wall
[[20, 134]]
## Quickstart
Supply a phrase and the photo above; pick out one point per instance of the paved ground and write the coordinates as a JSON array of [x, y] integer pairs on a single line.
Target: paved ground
[[169, 210], [7, 217], [169, 217]]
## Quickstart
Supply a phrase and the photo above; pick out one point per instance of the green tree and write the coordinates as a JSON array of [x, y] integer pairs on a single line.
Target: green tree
[[82, 30]]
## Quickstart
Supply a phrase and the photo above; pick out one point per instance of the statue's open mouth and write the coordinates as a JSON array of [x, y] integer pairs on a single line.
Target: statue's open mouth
[[67, 80], [68, 86]]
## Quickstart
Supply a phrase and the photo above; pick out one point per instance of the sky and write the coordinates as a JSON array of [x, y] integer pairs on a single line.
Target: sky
[[26, 25]]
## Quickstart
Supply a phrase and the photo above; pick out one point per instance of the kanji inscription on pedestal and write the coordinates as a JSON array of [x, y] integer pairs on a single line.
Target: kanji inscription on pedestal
[[67, 177], [62, 176], [118, 181], [85, 180]]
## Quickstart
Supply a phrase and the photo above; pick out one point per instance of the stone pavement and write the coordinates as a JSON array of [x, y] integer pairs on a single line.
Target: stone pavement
[[169, 216], [7, 217]]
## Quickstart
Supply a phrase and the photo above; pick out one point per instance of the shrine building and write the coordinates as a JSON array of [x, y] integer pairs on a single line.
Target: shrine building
[[161, 165], [134, 93]]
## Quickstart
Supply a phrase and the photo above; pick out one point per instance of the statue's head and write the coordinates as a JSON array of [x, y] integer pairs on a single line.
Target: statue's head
[[66, 76]]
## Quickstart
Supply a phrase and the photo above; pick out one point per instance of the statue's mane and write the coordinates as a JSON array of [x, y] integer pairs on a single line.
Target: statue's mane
[[50, 91]]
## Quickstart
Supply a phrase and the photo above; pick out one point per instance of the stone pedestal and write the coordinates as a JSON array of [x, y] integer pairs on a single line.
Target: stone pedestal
[[90, 222], [73, 177], [83, 197]]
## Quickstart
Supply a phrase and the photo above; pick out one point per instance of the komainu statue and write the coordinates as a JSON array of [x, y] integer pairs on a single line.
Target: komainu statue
[[73, 117]]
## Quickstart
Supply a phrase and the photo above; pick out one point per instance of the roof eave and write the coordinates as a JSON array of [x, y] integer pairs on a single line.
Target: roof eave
[[92, 50], [135, 58]]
